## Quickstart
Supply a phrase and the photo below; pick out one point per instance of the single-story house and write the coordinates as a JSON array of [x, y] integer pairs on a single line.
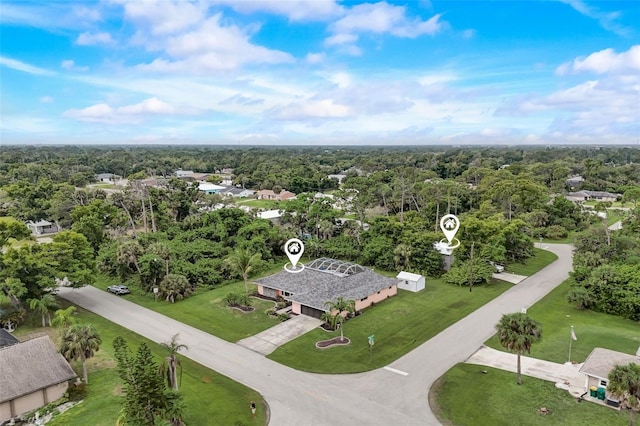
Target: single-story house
[[236, 192], [107, 177], [410, 282], [184, 173], [33, 374], [274, 216], [210, 188], [268, 194], [574, 181], [324, 280], [42, 227], [599, 363], [592, 195], [339, 177]]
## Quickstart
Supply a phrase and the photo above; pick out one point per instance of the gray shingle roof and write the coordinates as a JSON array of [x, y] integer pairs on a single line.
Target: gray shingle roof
[[601, 361], [30, 366], [7, 338], [314, 288]]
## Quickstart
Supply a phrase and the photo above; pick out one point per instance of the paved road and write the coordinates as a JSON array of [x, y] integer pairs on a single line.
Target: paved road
[[381, 397]]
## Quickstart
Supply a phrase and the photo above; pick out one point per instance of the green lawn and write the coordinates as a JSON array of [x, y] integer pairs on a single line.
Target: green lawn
[[399, 324], [207, 310], [466, 396], [210, 398], [540, 259], [259, 204], [593, 329]]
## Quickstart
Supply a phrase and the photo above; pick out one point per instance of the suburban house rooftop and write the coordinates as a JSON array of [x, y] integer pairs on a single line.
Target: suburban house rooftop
[[324, 280], [601, 361], [30, 366]]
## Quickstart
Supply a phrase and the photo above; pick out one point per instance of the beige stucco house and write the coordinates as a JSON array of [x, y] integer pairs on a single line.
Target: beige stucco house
[[32, 374], [324, 280]]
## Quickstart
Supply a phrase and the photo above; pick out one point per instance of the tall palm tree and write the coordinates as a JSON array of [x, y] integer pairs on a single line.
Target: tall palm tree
[[128, 253], [43, 306], [624, 382], [63, 318], [171, 362], [517, 332], [80, 342], [242, 262], [340, 308]]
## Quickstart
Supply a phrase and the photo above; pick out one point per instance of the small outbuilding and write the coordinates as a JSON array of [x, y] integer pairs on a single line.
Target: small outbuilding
[[410, 282], [599, 364], [42, 227]]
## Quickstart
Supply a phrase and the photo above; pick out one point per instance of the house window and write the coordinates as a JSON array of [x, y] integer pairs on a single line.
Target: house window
[[405, 283], [286, 294], [378, 292], [390, 287], [363, 299], [603, 383]]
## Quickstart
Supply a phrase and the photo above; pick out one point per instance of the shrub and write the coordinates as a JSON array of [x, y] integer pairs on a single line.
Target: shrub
[[556, 232], [244, 300], [231, 299], [579, 297]]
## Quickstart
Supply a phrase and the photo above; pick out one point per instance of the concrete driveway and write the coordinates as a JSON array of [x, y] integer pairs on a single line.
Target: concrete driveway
[[509, 277], [395, 395], [269, 340]]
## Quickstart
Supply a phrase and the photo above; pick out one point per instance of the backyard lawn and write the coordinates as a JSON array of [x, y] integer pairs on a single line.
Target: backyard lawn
[[466, 396], [259, 204], [540, 259], [207, 310], [593, 329], [399, 324], [210, 398]]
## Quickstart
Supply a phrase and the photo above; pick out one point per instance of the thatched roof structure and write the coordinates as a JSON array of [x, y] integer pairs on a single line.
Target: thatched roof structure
[[30, 366]]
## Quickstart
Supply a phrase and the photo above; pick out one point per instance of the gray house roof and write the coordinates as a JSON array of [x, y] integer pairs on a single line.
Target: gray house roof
[[30, 366], [314, 287], [601, 361], [7, 338]]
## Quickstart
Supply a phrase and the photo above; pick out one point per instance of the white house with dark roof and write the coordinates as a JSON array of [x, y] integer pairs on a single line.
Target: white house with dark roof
[[592, 195], [32, 374], [324, 280]]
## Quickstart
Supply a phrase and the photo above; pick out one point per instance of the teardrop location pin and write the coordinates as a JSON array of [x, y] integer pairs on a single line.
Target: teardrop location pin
[[294, 248], [450, 225]]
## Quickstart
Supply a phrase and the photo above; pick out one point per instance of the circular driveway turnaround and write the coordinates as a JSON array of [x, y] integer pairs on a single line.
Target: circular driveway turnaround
[[395, 395]]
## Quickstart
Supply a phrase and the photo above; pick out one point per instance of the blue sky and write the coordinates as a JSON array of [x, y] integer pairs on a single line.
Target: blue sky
[[320, 72]]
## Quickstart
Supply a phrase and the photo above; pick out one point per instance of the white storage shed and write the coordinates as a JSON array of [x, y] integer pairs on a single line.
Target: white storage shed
[[410, 282]]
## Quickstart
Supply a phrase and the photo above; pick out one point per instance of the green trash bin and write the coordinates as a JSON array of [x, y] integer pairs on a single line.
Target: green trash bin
[[593, 392], [601, 393]]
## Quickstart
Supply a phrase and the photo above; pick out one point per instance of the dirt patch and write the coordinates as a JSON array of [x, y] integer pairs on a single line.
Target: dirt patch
[[336, 341], [117, 390], [433, 402]]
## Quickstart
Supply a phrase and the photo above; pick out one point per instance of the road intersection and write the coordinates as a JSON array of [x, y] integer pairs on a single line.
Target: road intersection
[[395, 395]]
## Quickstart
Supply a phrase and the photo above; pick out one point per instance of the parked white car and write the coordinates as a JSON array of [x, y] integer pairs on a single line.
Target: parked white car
[[497, 267]]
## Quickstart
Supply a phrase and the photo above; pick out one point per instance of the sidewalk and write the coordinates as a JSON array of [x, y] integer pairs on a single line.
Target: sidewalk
[[566, 376]]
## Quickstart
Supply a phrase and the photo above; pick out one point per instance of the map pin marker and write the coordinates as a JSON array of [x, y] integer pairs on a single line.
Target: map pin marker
[[294, 250], [449, 225]]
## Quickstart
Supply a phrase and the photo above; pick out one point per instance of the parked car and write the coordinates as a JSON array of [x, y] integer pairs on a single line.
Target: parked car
[[119, 289], [497, 267]]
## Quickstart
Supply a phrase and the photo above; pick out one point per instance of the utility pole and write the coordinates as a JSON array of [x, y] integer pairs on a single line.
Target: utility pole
[[471, 268]]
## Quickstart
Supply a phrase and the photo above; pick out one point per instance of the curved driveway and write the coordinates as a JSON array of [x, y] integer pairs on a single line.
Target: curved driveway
[[380, 397]]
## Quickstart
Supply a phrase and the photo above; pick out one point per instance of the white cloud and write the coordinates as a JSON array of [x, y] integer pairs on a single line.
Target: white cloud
[[325, 109], [129, 114], [605, 61], [90, 39], [46, 99], [469, 33], [24, 67], [315, 58], [69, 64], [607, 20], [164, 17], [380, 18], [295, 10]]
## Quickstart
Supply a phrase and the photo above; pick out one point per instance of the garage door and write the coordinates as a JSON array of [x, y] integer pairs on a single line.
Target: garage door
[[312, 312]]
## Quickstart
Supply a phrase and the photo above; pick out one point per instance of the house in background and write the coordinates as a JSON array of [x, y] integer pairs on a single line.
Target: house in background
[[268, 194], [324, 280], [574, 181], [107, 177], [592, 196], [597, 367], [33, 374], [410, 282], [234, 191], [210, 188], [184, 173], [42, 227], [275, 216]]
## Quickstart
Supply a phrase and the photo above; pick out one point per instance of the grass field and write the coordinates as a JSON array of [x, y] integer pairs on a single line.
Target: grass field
[[207, 310], [540, 259], [466, 396], [210, 398], [259, 204], [399, 324], [593, 329]]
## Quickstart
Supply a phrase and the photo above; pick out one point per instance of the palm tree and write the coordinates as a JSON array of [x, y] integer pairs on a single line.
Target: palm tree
[[402, 255], [43, 307], [338, 307], [80, 342], [624, 383], [161, 250], [242, 263], [64, 317], [517, 332], [128, 253], [174, 287], [172, 363]]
